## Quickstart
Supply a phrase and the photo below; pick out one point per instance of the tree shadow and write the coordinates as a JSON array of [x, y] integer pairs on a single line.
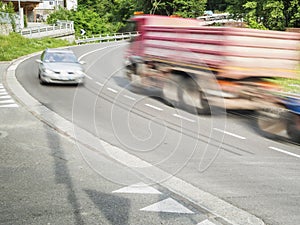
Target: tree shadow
[[62, 174], [115, 208]]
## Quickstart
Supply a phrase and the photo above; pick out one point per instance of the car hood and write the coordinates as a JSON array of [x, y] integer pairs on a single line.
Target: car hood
[[58, 67]]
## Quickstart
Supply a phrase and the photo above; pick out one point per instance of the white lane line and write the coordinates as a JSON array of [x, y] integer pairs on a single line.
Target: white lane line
[[231, 134], [89, 77], [99, 83], [184, 118], [154, 107], [129, 97], [112, 90], [283, 151]]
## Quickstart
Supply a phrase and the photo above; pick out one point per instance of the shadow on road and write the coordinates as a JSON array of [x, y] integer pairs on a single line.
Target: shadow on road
[[114, 208], [62, 174]]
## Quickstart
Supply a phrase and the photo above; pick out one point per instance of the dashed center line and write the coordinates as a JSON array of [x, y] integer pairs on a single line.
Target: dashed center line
[[154, 107], [231, 134], [129, 97], [285, 152], [184, 118], [99, 83], [112, 90], [89, 77]]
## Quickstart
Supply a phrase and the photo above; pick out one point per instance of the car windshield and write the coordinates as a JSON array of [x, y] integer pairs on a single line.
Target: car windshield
[[65, 57]]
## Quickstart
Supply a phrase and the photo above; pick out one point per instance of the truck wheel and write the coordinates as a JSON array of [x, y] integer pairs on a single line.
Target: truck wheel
[[293, 127], [271, 123], [193, 97], [205, 107], [170, 90]]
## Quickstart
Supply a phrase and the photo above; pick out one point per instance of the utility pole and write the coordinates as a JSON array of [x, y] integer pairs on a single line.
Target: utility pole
[[21, 24]]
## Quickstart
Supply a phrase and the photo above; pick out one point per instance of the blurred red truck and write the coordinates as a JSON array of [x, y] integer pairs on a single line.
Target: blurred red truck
[[203, 66]]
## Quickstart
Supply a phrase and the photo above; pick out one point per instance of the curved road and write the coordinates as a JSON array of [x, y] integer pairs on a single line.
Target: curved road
[[222, 155]]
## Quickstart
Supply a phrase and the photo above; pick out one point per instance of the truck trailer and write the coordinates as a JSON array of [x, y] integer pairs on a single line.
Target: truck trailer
[[205, 67]]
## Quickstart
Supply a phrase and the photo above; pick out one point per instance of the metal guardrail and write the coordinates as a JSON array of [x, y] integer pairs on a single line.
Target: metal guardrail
[[112, 37], [59, 29]]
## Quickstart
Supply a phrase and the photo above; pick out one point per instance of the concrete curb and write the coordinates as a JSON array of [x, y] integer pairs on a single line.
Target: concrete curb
[[207, 201]]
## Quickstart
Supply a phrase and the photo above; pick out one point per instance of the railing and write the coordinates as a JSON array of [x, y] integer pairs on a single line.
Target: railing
[[59, 29], [112, 37]]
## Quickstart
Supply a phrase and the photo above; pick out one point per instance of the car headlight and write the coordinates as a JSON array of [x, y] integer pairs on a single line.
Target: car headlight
[[47, 71]]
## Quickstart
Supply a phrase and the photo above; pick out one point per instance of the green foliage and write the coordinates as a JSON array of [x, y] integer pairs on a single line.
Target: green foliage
[[9, 8], [109, 16], [192, 8], [251, 17], [184, 8], [216, 5], [288, 85], [12, 46], [270, 14]]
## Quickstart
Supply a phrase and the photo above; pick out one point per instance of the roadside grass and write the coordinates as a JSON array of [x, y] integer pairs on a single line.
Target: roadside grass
[[13, 46], [289, 85]]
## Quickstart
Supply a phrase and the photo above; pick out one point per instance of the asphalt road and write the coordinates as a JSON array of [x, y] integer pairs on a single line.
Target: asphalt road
[[222, 155]]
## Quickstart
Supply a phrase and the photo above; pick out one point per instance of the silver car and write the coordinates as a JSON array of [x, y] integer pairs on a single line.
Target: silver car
[[60, 66]]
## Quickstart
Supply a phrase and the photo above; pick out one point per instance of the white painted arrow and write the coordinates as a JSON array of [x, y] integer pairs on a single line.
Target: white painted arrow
[[139, 188], [168, 205]]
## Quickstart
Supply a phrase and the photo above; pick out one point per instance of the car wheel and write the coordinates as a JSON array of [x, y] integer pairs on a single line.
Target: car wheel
[[42, 82]]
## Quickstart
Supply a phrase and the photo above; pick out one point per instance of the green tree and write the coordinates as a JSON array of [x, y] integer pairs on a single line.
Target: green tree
[[9, 8], [216, 5], [271, 14]]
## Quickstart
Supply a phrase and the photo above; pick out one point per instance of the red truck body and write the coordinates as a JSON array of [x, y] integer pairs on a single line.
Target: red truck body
[[175, 50]]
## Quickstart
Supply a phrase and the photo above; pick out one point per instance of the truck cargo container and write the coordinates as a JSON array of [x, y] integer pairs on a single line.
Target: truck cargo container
[[205, 67]]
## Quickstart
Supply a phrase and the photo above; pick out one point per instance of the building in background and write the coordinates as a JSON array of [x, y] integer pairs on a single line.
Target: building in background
[[37, 10], [27, 7], [46, 7]]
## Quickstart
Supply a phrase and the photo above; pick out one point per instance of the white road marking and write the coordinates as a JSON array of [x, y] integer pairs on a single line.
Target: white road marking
[[129, 97], [154, 107], [7, 101], [283, 151], [89, 77], [9, 106], [112, 90], [231, 134], [184, 118], [168, 205], [99, 83], [5, 97], [206, 222], [139, 188]]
